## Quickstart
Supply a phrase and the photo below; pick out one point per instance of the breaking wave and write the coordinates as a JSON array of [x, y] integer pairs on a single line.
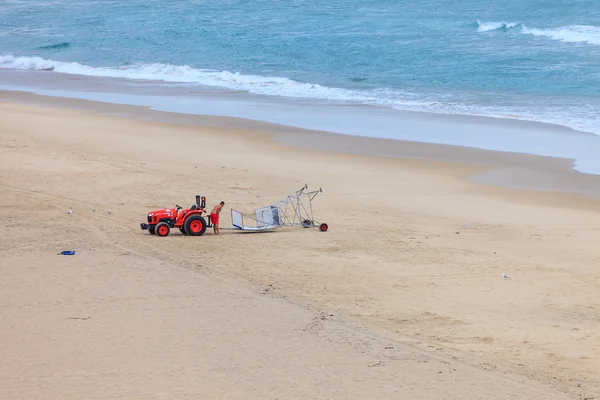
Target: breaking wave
[[285, 87], [570, 34], [256, 84], [495, 26]]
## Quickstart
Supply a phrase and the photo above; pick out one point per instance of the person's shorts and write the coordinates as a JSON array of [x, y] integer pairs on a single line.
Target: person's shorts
[[214, 218]]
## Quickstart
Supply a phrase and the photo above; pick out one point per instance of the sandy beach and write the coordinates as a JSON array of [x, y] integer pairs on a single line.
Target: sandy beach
[[403, 297]]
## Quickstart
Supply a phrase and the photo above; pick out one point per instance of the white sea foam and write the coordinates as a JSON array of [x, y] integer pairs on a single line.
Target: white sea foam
[[571, 33], [256, 84], [278, 86], [492, 26]]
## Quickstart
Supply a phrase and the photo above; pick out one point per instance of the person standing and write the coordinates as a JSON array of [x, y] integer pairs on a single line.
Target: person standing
[[214, 216]]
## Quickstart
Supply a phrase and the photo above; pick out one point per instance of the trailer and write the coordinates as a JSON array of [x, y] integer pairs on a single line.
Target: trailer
[[294, 210]]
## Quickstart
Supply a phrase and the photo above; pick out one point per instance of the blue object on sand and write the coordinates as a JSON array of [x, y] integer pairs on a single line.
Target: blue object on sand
[[68, 253]]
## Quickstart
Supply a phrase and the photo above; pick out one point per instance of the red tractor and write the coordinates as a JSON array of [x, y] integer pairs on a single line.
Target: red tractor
[[190, 221]]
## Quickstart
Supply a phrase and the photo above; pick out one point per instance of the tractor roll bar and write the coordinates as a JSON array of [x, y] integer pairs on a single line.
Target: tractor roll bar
[[200, 201]]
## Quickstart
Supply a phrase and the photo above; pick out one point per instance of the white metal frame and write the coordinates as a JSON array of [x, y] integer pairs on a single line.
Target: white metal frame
[[294, 210]]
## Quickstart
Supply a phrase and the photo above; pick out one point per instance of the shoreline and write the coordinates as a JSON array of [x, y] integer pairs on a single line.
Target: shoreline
[[50, 79], [67, 83], [479, 132], [494, 168]]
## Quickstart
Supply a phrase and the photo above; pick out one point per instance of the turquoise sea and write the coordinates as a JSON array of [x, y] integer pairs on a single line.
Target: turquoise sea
[[536, 60]]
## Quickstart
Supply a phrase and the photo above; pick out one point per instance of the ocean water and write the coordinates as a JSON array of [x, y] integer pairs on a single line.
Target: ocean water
[[536, 60]]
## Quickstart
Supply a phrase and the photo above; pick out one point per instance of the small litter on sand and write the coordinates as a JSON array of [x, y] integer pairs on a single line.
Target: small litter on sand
[[67, 253]]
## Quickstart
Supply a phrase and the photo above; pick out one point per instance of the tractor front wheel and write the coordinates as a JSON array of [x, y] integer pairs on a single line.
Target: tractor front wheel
[[195, 225], [162, 229], [151, 230]]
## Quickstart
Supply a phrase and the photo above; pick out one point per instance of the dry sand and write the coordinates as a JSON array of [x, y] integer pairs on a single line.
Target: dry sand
[[403, 298]]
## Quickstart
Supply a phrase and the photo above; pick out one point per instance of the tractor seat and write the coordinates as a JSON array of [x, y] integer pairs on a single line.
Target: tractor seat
[[193, 207]]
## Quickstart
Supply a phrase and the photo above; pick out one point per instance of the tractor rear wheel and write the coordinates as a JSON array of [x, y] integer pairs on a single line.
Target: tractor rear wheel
[[195, 225], [162, 229]]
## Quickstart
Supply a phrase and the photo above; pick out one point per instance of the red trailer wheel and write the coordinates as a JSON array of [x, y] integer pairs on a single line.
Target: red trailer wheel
[[323, 227]]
